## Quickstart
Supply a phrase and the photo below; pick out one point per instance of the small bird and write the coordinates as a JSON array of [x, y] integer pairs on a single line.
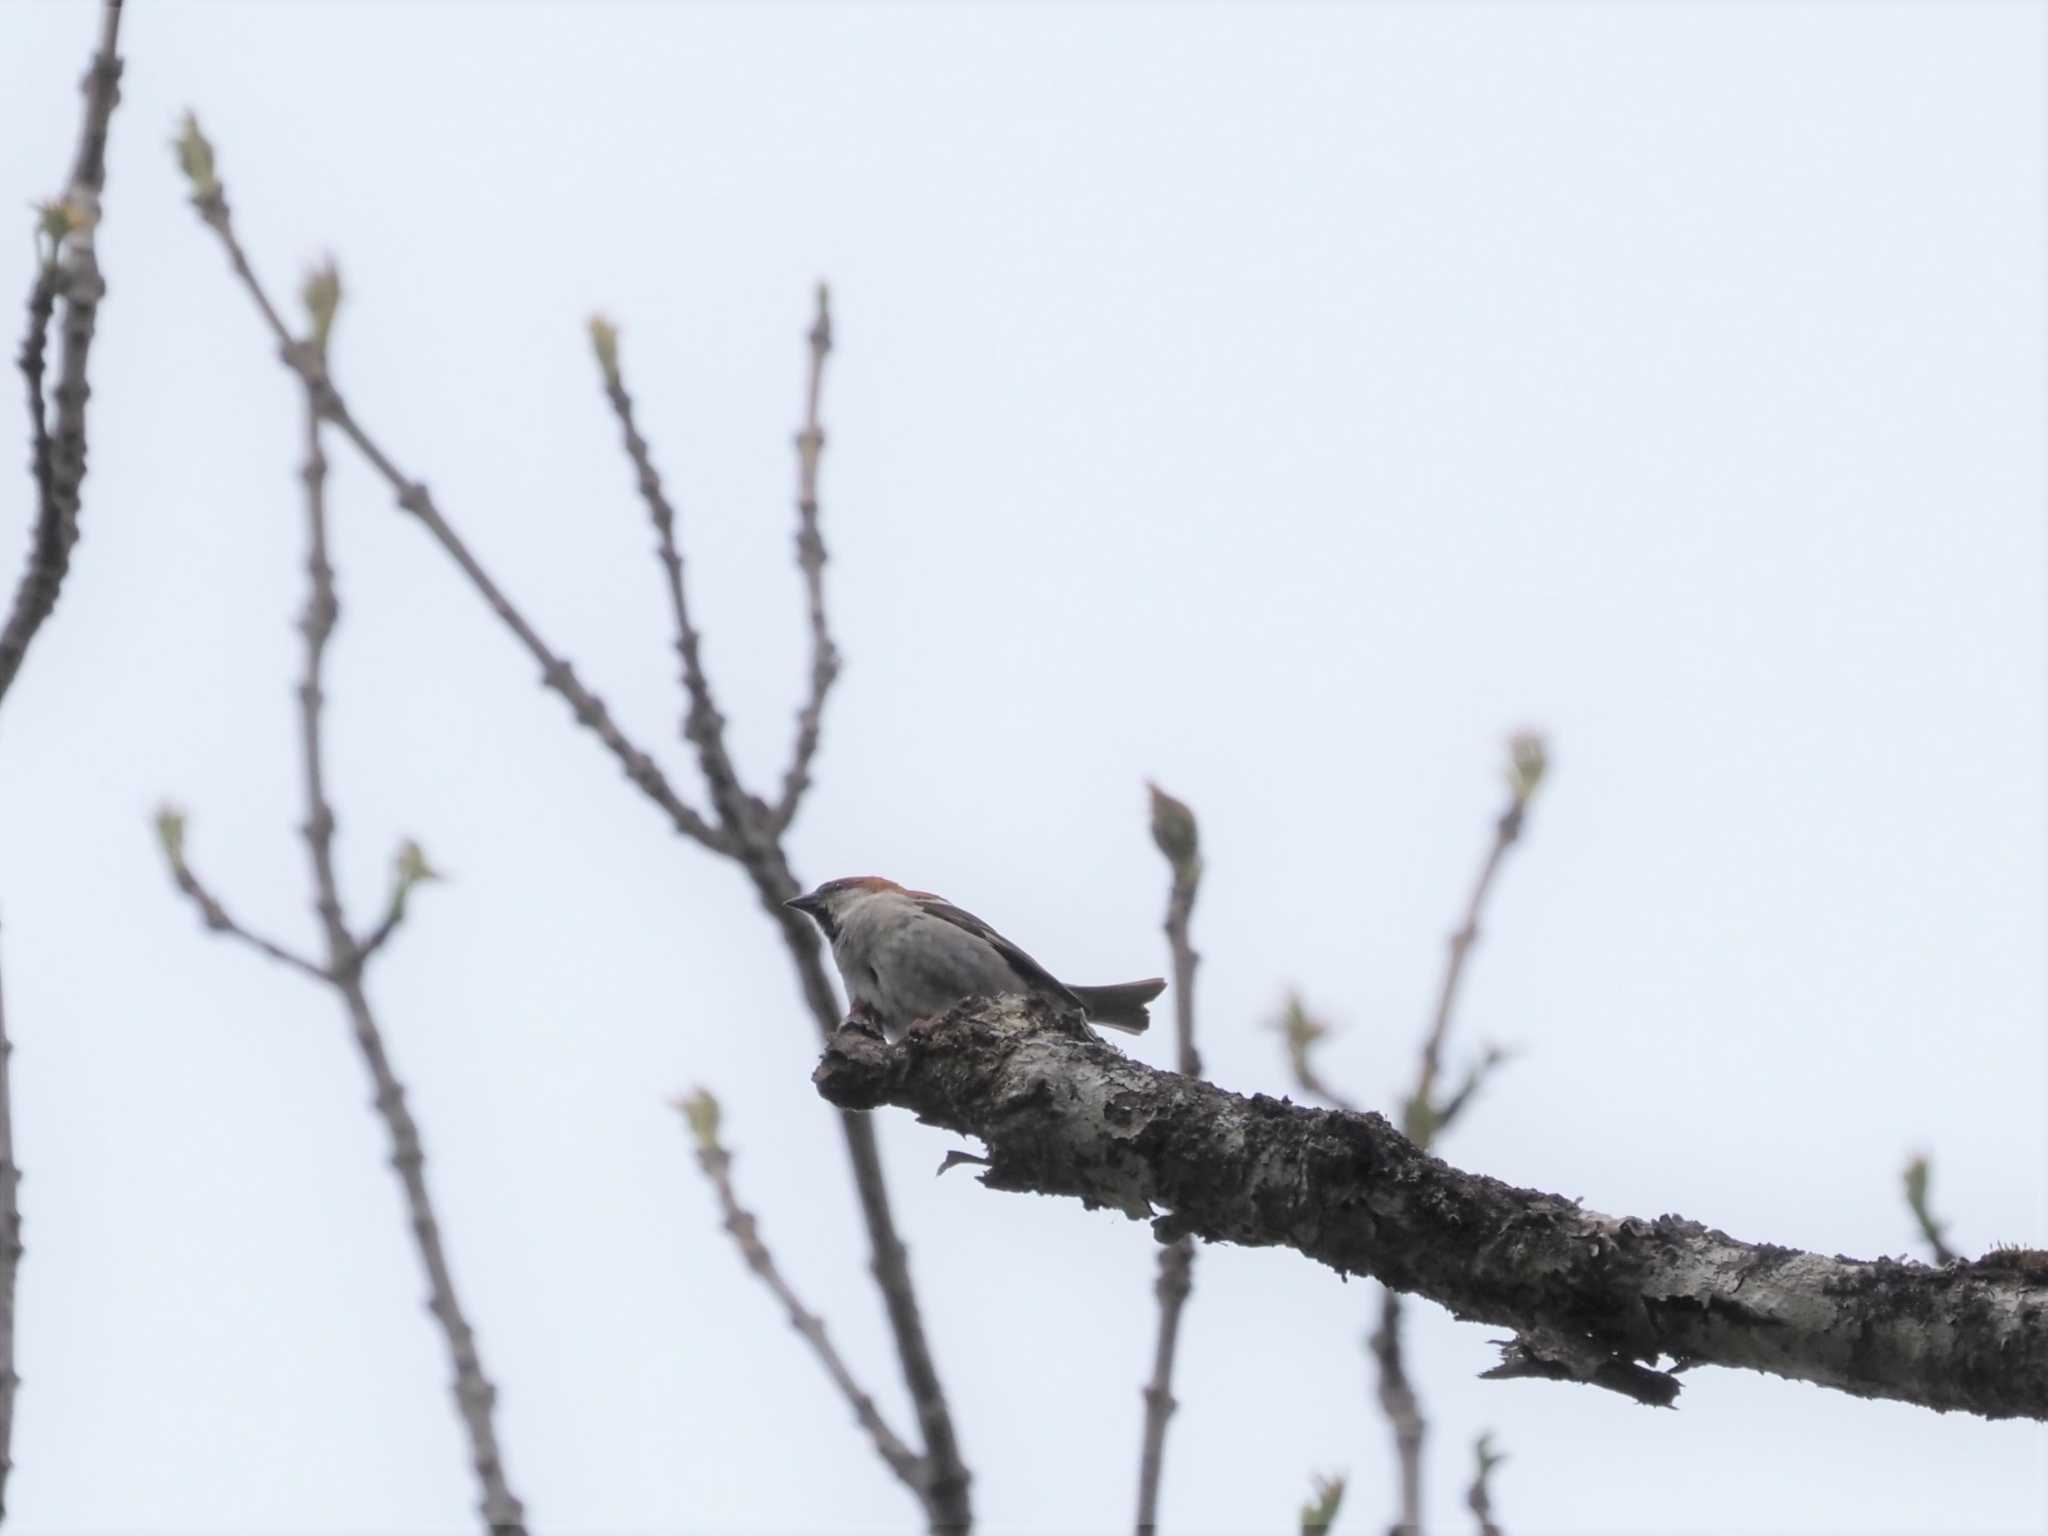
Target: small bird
[[909, 955]]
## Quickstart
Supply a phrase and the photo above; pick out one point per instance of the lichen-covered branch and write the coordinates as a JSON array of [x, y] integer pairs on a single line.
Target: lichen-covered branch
[[1589, 1297], [67, 279]]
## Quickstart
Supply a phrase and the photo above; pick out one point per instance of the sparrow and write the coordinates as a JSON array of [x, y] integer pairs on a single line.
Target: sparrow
[[908, 955]]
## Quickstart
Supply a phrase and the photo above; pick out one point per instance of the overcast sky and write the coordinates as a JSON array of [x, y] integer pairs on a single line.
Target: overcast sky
[[1284, 404]]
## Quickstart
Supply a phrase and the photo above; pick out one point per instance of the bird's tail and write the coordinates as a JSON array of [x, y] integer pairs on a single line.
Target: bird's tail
[[1121, 1006]]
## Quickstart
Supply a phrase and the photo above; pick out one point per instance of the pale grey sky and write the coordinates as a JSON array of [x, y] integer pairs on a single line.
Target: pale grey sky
[[1283, 403]]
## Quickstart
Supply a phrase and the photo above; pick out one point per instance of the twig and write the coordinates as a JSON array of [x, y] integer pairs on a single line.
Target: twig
[[810, 559], [70, 272], [1302, 1031], [1175, 832], [701, 1110], [170, 830], [475, 1397], [1403, 1411], [1479, 1497], [1425, 1117], [10, 1260], [1934, 1233], [750, 840]]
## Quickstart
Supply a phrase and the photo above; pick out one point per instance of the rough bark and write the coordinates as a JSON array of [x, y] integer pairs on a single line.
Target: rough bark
[[1589, 1297]]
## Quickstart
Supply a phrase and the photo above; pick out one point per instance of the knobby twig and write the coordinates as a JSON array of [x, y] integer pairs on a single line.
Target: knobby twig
[[810, 560], [1934, 1233], [10, 1259], [69, 271], [1591, 1298], [1479, 1497], [701, 1111], [70, 274], [346, 954], [747, 830], [1175, 833]]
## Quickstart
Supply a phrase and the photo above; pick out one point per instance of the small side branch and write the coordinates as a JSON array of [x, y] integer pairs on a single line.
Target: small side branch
[[703, 725], [1403, 1410], [69, 275], [810, 560], [170, 833], [1175, 832], [701, 1111], [1479, 1497], [1062, 1116], [1932, 1232], [10, 1259]]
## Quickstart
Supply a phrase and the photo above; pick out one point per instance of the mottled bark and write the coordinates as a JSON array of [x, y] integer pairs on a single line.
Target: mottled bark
[[1589, 1297]]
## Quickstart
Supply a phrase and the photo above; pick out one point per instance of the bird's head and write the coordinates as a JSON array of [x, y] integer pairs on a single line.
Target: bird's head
[[831, 903]]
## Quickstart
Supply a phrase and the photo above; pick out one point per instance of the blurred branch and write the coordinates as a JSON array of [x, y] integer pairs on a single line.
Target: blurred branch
[[1178, 838], [1932, 1232], [170, 832], [1321, 1509], [1479, 1497], [1591, 1298], [1425, 1116], [810, 559], [1302, 1032], [747, 831], [69, 273], [10, 1259], [475, 1397], [1403, 1410], [701, 1111]]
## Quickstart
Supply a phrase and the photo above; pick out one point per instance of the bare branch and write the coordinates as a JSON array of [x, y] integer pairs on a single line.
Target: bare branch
[[10, 1259], [475, 1397], [70, 273], [810, 560], [170, 832], [1403, 1410], [1598, 1296], [210, 199], [703, 726], [1175, 831], [701, 1110], [1479, 1497], [1934, 1233], [409, 870], [745, 836]]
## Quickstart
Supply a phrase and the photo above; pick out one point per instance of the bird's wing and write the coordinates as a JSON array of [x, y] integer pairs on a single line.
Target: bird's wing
[[1026, 967]]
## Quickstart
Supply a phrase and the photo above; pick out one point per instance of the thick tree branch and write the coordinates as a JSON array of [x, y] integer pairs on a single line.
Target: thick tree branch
[[1592, 1297], [70, 274], [1175, 832], [701, 1111]]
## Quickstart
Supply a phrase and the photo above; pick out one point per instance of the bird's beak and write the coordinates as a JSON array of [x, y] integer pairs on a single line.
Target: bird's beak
[[808, 905]]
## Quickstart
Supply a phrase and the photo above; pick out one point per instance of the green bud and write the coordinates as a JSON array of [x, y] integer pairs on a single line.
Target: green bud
[[1528, 759], [1321, 1509], [604, 341], [170, 832], [322, 293], [701, 1110], [1173, 829], [195, 158]]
